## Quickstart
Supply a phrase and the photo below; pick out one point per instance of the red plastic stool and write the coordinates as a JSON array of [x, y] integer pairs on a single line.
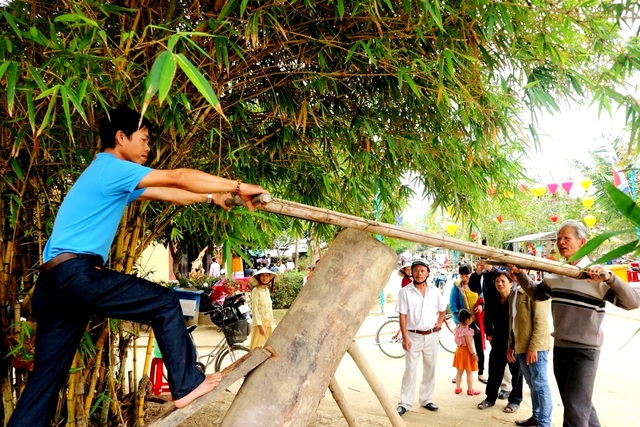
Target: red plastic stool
[[158, 385]]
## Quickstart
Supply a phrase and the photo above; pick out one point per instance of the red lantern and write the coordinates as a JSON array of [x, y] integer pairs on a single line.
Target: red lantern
[[499, 219], [554, 218], [492, 191], [473, 235]]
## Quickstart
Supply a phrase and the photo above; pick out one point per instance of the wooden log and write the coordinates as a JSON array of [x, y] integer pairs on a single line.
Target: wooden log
[[298, 210], [314, 335], [338, 396], [375, 384], [171, 416]]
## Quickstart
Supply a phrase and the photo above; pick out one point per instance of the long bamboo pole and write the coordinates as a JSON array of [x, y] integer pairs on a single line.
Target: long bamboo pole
[[298, 210]]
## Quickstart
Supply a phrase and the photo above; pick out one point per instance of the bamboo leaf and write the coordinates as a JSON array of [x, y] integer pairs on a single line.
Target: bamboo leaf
[[152, 82], [433, 7], [340, 7], [17, 169], [624, 203], [12, 78], [31, 111], [3, 68], [48, 115], [412, 85], [12, 23], [70, 94], [595, 243], [76, 18], [67, 111], [617, 253], [167, 74], [198, 80], [243, 7]]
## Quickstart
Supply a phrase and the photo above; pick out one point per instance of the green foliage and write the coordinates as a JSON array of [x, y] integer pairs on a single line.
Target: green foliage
[[288, 285], [327, 103], [629, 210]]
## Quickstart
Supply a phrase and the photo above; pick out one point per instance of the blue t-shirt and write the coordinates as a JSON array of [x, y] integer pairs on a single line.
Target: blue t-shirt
[[88, 218]]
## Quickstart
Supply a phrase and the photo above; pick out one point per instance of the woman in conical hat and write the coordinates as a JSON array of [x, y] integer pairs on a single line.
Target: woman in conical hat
[[261, 307], [405, 272]]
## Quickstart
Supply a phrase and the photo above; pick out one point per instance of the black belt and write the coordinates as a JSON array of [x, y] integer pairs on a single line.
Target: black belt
[[427, 332], [66, 256]]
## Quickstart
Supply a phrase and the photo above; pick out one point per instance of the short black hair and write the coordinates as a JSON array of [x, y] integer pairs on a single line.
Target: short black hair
[[121, 118], [464, 269], [464, 314]]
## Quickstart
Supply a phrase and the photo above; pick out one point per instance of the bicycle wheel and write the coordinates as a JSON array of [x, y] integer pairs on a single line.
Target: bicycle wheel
[[447, 339], [389, 339], [226, 358]]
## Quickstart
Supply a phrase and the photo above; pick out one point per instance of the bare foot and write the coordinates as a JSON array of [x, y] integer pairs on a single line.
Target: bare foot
[[210, 382]]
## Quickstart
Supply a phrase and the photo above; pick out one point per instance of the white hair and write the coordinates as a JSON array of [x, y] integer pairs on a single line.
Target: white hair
[[580, 229]]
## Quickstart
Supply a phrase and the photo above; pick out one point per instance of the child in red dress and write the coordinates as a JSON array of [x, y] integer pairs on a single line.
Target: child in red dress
[[465, 358]]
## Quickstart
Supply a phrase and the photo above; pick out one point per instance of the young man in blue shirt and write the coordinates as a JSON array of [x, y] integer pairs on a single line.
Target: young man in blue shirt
[[74, 285]]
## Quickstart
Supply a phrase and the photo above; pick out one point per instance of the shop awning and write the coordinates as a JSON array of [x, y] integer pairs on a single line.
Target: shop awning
[[537, 237]]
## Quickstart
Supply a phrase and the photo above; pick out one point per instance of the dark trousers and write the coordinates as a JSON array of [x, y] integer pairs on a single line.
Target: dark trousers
[[477, 343], [575, 372], [65, 298], [497, 363]]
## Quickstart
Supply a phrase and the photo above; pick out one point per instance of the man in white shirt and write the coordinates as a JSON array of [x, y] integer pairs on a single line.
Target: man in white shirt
[[422, 309], [214, 269]]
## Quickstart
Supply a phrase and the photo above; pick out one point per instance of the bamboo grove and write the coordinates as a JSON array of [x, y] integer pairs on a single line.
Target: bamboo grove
[[328, 103]]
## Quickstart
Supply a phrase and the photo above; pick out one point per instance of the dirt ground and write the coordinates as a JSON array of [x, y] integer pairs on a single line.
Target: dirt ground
[[615, 398]]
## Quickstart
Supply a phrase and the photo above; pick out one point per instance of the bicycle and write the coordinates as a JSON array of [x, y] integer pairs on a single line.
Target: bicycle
[[227, 350], [389, 338], [234, 319]]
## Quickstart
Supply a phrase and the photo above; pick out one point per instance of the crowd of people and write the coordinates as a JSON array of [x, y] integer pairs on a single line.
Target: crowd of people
[[504, 307]]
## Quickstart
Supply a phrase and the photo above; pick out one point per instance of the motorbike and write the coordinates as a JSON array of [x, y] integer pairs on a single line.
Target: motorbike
[[440, 280]]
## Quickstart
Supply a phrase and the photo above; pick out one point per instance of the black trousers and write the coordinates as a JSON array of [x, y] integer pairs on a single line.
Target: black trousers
[[575, 371], [497, 363], [65, 298], [477, 344]]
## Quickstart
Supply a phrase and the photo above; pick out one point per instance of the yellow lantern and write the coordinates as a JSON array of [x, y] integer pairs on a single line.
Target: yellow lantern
[[451, 228], [508, 194], [586, 184], [587, 202], [538, 190], [590, 220]]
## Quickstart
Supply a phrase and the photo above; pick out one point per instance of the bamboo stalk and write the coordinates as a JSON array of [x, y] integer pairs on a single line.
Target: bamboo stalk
[[375, 384], [149, 352], [298, 210], [95, 374], [71, 392], [338, 396]]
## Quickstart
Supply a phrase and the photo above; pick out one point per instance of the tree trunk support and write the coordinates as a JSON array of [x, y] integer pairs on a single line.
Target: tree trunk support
[[314, 335]]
